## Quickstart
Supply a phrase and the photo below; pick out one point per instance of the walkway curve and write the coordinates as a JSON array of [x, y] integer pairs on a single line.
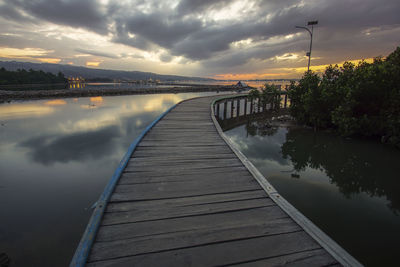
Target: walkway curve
[[188, 197]]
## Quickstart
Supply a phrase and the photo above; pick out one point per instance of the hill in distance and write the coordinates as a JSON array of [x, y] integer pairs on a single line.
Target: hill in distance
[[88, 73]]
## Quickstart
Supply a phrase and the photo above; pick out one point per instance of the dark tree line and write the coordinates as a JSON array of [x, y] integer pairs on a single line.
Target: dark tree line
[[356, 100], [22, 76]]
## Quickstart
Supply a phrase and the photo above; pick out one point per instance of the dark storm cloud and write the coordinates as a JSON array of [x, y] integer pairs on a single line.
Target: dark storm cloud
[[165, 57], [11, 13], [75, 13], [183, 34], [96, 53], [161, 30], [122, 36], [194, 6]]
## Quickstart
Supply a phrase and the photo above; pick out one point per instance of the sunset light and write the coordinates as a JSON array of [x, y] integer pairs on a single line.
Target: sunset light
[[210, 39], [93, 63]]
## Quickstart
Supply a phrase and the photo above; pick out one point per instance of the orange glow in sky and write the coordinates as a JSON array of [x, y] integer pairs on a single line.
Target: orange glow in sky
[[49, 60], [283, 73], [93, 63], [249, 76]]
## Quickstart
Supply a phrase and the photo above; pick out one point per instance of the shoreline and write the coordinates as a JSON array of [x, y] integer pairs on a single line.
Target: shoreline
[[8, 96]]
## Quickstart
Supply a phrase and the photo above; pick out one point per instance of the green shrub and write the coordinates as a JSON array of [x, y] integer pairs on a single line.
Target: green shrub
[[355, 100]]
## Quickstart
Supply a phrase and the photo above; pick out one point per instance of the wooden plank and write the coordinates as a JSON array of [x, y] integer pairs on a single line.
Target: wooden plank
[[177, 129], [224, 253], [174, 172], [139, 178], [188, 223], [147, 192], [314, 257], [186, 201], [190, 210], [179, 144], [155, 156], [190, 238], [178, 162], [191, 138], [184, 135], [186, 149], [203, 184], [194, 166]]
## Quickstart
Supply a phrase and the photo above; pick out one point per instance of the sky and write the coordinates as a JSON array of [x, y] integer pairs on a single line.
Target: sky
[[208, 38]]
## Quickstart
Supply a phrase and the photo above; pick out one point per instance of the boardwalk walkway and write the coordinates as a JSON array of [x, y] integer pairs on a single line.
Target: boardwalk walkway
[[185, 199]]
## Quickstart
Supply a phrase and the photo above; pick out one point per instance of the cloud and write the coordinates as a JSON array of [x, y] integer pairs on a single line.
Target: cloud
[[197, 6], [165, 57], [96, 53], [206, 37], [50, 149], [160, 29], [10, 12], [74, 13]]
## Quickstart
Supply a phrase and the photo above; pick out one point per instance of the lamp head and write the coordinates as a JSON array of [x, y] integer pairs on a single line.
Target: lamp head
[[314, 22]]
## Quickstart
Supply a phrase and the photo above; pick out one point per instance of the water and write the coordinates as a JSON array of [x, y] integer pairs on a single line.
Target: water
[[349, 188], [56, 158]]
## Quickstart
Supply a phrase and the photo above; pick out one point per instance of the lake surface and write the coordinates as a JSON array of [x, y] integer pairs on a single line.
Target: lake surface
[[56, 158], [349, 188]]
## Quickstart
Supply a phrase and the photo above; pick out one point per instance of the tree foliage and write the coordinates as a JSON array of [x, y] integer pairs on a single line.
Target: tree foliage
[[355, 100], [22, 76]]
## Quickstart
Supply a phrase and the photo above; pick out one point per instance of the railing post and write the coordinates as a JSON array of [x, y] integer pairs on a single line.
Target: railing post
[[265, 106], [237, 107], [285, 104], [225, 110], [231, 109], [245, 106]]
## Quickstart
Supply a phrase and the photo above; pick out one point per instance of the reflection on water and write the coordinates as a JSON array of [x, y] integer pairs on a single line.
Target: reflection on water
[[76, 85], [353, 167], [56, 157], [349, 188]]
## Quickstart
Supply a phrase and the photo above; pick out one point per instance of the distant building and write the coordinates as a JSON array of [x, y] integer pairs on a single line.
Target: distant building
[[241, 84]]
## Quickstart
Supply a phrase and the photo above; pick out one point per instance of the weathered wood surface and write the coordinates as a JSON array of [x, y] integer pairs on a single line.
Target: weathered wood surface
[[185, 199]]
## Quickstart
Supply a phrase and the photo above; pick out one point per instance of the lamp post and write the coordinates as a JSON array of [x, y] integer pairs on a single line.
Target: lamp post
[[310, 23]]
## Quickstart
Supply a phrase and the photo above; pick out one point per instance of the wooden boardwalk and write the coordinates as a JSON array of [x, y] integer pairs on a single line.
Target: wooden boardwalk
[[185, 199]]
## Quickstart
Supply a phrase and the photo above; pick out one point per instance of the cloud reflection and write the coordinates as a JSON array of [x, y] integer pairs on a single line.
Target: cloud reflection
[[17, 111], [48, 149], [98, 99]]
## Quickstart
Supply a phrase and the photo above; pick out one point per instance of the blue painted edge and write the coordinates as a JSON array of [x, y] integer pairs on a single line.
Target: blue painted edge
[[82, 252]]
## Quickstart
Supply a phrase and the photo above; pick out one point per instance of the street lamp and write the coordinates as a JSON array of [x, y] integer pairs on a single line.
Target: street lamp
[[310, 23]]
